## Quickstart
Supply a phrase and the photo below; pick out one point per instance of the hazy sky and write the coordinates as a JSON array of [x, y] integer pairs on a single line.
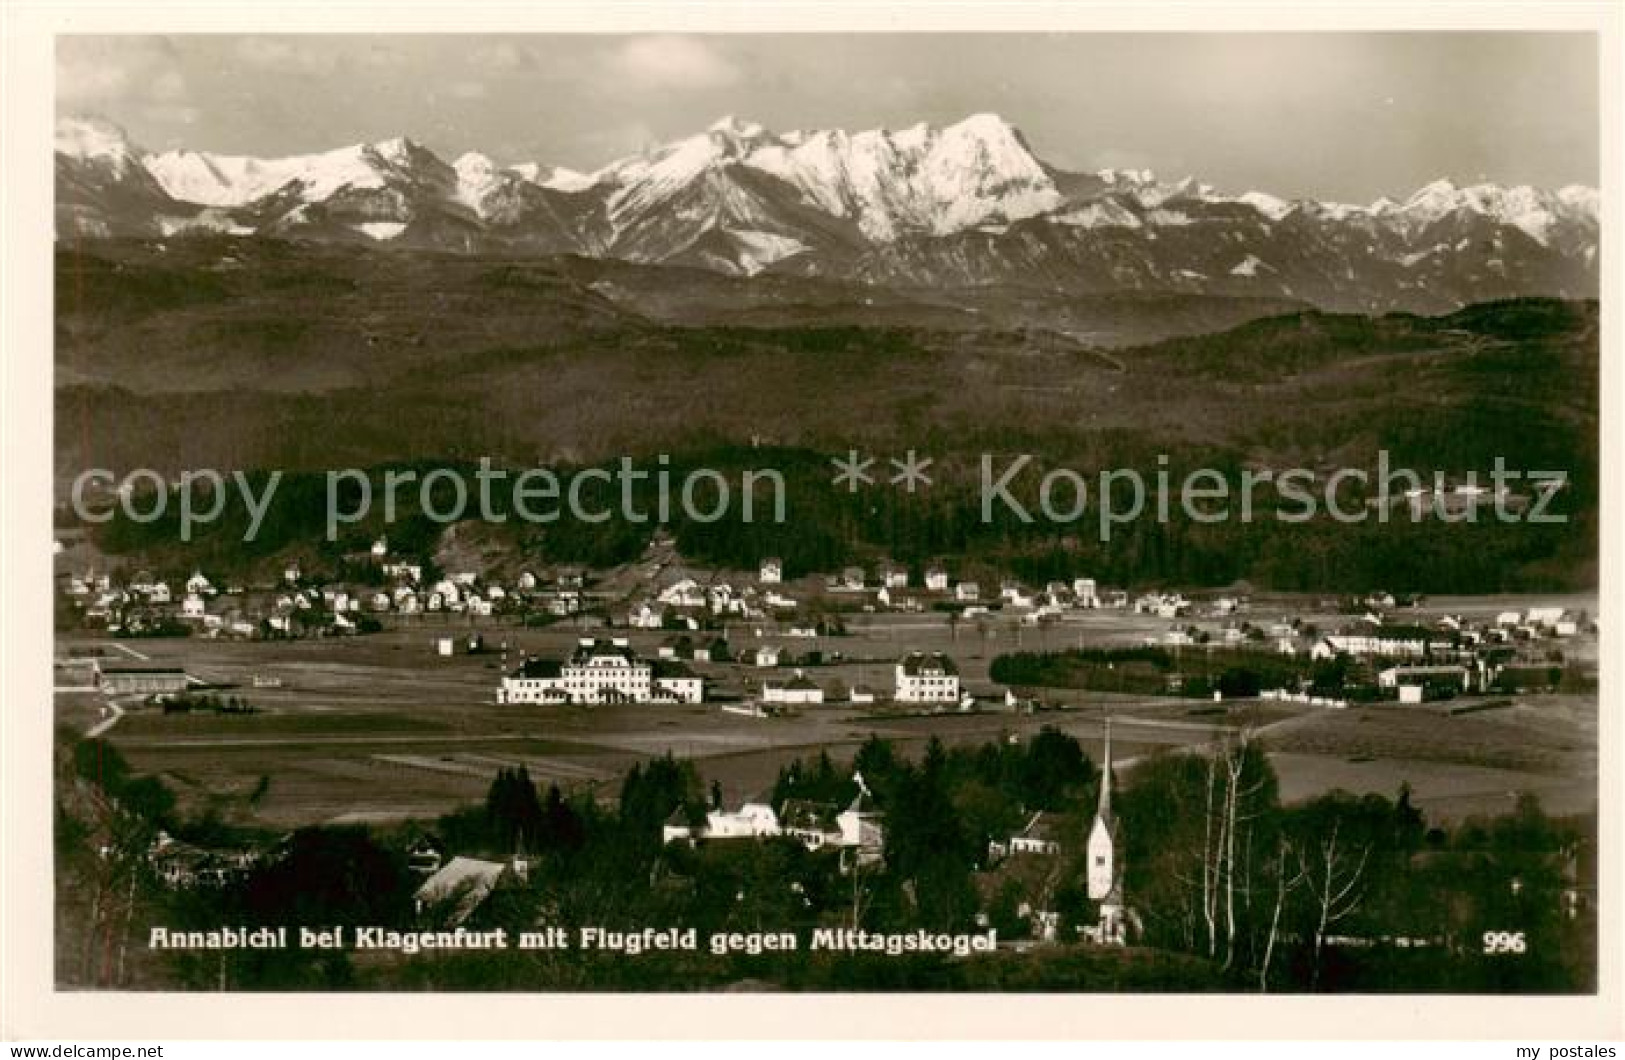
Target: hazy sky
[[1335, 116]]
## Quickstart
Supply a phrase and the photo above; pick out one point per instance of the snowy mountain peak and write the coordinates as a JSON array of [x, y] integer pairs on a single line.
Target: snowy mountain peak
[[472, 164], [1117, 177], [731, 126], [986, 126], [96, 140], [966, 202], [556, 177], [398, 150], [1270, 206]]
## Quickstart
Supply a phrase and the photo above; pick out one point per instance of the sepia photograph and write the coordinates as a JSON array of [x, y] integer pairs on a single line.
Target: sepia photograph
[[932, 512]]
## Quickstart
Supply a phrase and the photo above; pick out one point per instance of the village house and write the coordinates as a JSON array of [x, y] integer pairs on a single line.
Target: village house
[[893, 576], [683, 593], [178, 864], [936, 580], [858, 831], [646, 616], [799, 690], [927, 678], [403, 571], [1015, 595], [1040, 835], [967, 592], [771, 571], [1178, 637], [1162, 605], [424, 856]]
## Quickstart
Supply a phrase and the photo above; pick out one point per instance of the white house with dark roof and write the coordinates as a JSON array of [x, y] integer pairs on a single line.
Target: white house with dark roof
[[797, 690], [1040, 835], [927, 678]]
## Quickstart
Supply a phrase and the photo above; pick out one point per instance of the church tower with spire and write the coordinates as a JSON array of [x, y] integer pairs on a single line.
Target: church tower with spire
[[1105, 875]]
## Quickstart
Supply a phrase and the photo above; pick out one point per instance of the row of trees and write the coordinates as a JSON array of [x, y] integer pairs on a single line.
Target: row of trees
[[1309, 896], [1322, 895]]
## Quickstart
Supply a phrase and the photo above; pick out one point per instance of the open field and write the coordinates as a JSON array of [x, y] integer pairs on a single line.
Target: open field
[[381, 727]]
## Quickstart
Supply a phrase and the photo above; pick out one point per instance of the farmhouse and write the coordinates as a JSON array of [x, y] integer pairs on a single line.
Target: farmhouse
[[927, 678], [858, 828], [646, 616], [1041, 835], [193, 607], [753, 820]]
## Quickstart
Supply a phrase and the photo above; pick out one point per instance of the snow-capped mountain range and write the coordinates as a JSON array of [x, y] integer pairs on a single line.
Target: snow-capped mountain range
[[968, 203]]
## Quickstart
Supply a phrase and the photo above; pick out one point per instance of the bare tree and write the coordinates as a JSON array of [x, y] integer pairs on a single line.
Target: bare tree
[[1334, 874], [1285, 884]]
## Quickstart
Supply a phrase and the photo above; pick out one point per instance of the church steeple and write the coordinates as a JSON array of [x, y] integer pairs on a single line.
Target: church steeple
[[1103, 864], [1104, 811]]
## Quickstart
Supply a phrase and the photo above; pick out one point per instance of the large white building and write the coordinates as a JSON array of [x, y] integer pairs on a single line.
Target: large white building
[[600, 671], [927, 678]]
